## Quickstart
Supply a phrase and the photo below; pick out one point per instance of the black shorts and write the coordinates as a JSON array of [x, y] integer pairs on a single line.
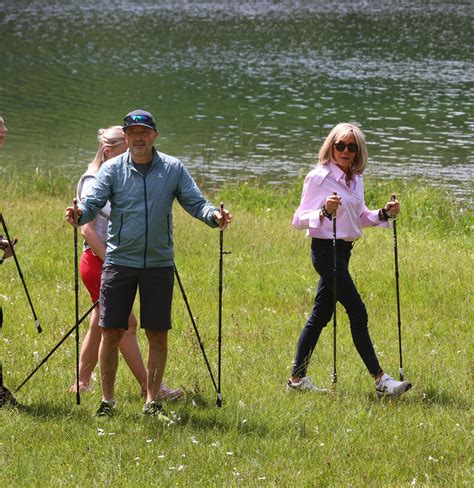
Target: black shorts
[[118, 288]]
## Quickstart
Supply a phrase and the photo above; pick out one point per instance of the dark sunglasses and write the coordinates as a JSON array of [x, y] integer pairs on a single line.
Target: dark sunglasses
[[139, 119], [351, 147]]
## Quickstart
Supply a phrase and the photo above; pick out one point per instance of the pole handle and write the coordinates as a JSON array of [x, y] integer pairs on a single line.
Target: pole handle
[[221, 223], [76, 217]]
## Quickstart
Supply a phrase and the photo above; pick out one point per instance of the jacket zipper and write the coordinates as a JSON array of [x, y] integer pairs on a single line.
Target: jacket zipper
[[169, 230], [146, 222], [120, 229]]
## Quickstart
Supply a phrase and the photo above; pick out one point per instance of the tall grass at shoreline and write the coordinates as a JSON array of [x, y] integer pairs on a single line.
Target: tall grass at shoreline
[[261, 436]]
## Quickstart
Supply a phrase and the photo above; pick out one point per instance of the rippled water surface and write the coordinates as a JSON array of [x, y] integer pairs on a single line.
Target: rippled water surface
[[242, 89]]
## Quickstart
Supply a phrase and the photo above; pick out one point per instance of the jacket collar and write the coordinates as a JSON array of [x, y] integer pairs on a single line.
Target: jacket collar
[[156, 158]]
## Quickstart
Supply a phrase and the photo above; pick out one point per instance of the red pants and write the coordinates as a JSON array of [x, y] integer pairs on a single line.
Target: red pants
[[90, 269]]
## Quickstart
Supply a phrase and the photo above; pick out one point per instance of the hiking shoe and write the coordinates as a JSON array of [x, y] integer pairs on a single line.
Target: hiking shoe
[[106, 408], [389, 387], [154, 409], [167, 393], [305, 384], [7, 398]]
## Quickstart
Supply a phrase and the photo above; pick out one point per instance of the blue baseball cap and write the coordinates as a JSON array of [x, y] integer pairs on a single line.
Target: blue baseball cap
[[139, 117]]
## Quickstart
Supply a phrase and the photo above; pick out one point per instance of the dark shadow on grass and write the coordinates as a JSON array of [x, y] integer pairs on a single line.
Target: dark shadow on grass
[[198, 413], [50, 411], [429, 397]]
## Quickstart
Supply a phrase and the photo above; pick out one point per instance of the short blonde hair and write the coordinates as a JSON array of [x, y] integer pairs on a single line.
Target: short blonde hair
[[340, 131], [111, 136]]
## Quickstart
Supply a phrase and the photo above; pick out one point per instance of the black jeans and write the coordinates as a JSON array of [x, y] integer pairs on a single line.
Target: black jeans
[[347, 295]]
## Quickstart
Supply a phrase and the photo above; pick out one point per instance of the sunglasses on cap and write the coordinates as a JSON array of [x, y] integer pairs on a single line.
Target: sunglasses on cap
[[139, 120], [351, 147]]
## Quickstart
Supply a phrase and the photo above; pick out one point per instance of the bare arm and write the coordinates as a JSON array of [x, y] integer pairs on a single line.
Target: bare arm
[[92, 238]]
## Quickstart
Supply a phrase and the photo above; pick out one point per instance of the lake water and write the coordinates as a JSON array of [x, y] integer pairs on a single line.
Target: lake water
[[242, 90]]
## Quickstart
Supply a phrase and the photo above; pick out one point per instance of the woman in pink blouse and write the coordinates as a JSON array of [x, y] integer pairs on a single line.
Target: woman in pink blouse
[[335, 187]]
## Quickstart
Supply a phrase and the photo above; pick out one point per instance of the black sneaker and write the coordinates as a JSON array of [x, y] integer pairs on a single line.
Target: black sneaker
[[106, 408], [7, 398], [154, 409]]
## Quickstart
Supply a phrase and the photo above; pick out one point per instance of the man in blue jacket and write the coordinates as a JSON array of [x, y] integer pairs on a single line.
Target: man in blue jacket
[[141, 185]]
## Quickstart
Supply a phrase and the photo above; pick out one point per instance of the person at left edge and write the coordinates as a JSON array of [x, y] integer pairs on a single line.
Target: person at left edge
[[141, 185], [3, 131]]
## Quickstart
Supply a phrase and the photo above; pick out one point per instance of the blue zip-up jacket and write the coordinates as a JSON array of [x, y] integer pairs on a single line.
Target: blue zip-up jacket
[[140, 233]]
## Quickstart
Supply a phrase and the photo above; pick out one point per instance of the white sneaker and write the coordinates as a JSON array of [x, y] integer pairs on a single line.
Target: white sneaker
[[305, 384], [387, 386]]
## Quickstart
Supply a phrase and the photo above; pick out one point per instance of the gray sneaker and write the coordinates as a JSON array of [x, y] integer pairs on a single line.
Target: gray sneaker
[[106, 408], [387, 386], [305, 384], [154, 409]]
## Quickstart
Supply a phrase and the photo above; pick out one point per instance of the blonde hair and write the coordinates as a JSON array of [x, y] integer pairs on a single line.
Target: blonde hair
[[109, 137], [340, 131]]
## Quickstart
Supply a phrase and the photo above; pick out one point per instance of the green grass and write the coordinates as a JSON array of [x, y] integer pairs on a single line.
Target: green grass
[[261, 436]]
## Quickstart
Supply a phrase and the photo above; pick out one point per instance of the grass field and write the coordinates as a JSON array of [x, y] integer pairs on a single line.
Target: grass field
[[261, 436]]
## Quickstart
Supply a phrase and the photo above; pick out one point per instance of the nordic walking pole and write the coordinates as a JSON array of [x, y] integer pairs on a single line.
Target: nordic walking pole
[[219, 339], [201, 345], [334, 296], [76, 300], [395, 252], [12, 247], [73, 328]]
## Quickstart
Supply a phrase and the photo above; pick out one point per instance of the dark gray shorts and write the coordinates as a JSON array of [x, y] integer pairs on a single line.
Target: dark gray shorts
[[118, 288]]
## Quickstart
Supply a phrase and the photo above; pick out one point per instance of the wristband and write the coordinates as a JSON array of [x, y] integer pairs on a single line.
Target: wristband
[[384, 215], [325, 212]]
